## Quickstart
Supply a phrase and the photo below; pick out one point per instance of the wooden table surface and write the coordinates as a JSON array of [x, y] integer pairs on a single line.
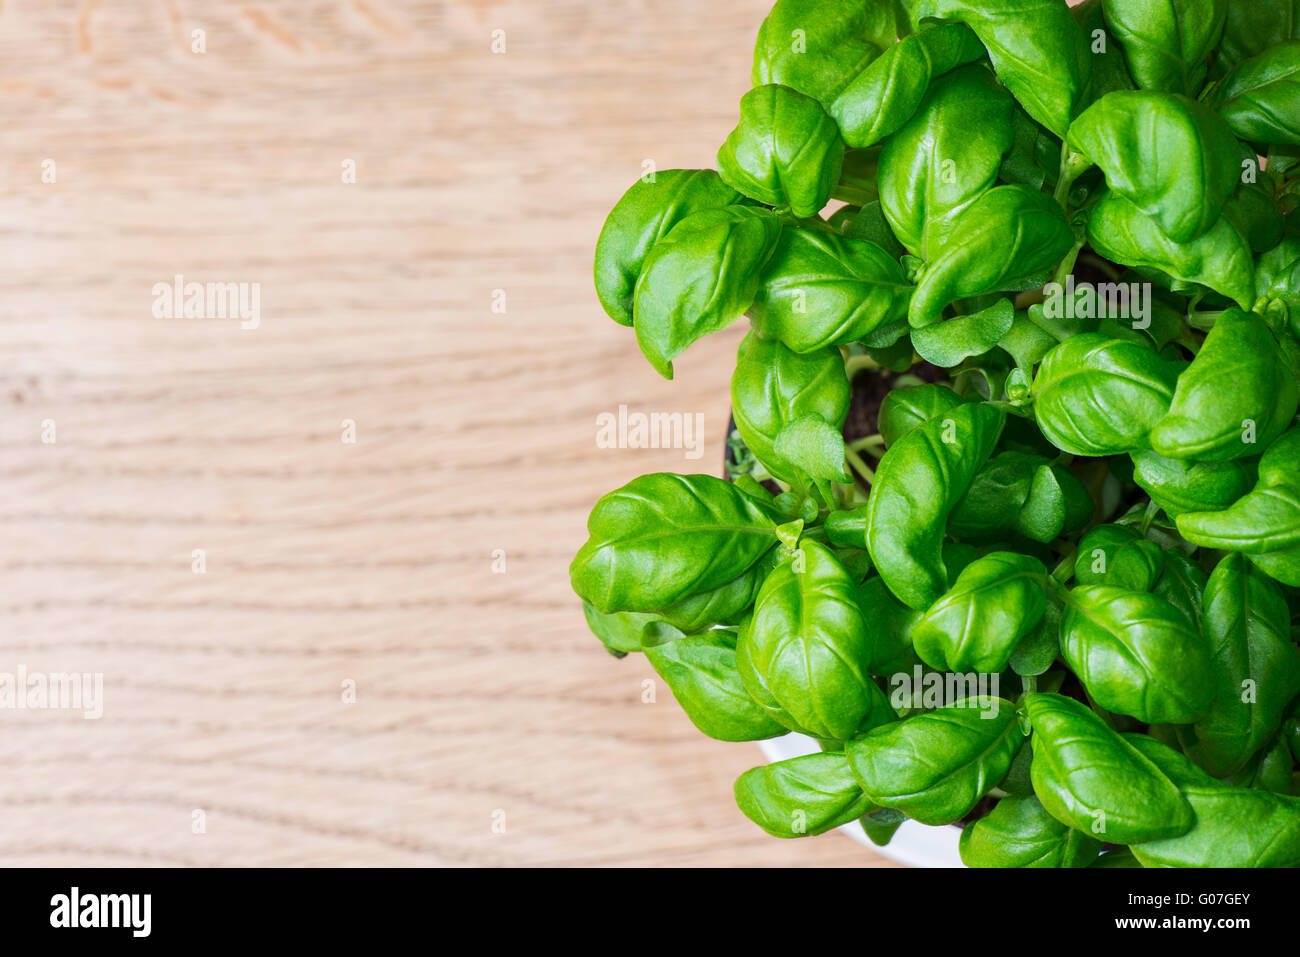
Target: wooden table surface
[[482, 180]]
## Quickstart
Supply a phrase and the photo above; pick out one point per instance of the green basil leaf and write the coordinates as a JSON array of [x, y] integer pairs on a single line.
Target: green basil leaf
[[724, 605], [1016, 781], [816, 450], [810, 794], [1136, 654], [1019, 832], [1051, 316], [992, 505], [885, 95], [785, 151], [647, 212], [871, 226], [1058, 503], [847, 528], [620, 632], [1267, 519], [898, 357], [1277, 278], [1269, 770], [881, 824], [1282, 565], [1019, 492], [1256, 667], [701, 671], [1097, 551], [976, 625], [820, 289], [903, 409], [773, 386], [932, 168], [1095, 395], [700, 278], [1167, 42], [1136, 566], [948, 343], [1252, 28], [1207, 422], [1005, 236], [891, 334], [1090, 778], [1260, 98], [658, 632], [1234, 827], [1039, 52], [1179, 487], [805, 654], [1027, 342], [1219, 259], [918, 482], [662, 538], [1171, 157], [934, 767], [818, 46]]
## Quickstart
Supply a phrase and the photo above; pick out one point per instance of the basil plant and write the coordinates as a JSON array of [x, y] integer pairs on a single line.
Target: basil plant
[[1048, 591]]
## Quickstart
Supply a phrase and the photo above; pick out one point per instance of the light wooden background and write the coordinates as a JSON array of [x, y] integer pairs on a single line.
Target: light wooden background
[[326, 562]]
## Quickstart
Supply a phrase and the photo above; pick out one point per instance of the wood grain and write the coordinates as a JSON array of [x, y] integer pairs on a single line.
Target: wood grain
[[477, 691]]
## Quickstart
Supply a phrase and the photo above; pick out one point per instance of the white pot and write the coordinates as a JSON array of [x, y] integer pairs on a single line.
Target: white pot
[[914, 844]]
